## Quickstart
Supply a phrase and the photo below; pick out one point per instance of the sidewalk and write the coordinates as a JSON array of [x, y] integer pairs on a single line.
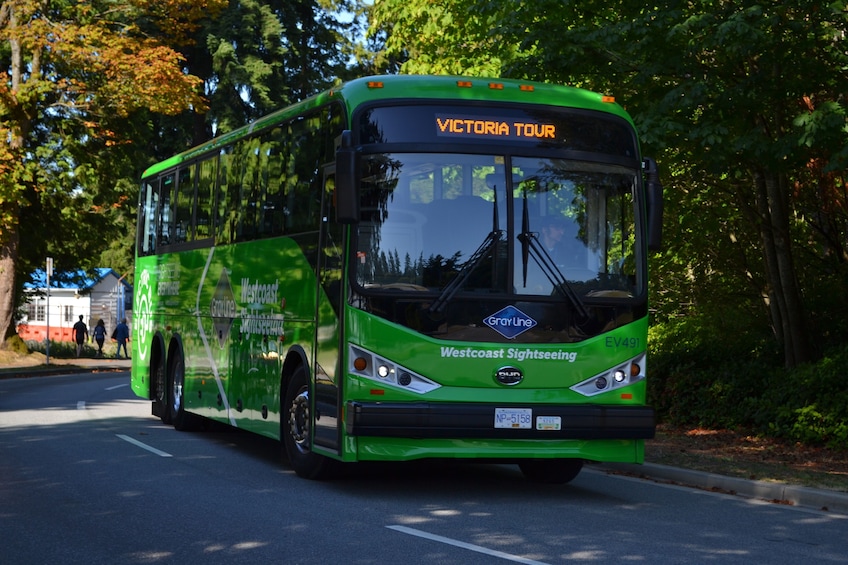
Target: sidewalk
[[64, 366]]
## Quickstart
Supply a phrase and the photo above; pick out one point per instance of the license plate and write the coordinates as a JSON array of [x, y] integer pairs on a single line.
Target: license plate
[[548, 423], [519, 418]]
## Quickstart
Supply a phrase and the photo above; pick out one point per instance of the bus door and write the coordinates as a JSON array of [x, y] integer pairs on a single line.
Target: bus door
[[326, 368]]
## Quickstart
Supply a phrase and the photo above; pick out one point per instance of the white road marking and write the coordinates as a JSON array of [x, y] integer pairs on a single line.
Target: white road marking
[[144, 446], [81, 405], [117, 386], [463, 545]]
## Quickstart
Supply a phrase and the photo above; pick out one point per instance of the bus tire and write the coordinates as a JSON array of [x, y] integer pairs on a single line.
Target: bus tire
[[296, 430], [182, 420], [551, 471], [159, 377]]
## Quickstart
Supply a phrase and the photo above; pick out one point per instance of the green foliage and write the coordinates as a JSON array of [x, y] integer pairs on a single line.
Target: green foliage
[[811, 404], [68, 349], [16, 345], [707, 372], [711, 373]]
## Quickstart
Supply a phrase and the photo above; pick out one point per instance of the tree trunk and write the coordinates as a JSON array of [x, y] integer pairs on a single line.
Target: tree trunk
[[786, 304], [8, 260]]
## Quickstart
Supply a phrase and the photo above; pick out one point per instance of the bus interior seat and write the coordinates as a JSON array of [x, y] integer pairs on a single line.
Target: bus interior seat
[[458, 225]]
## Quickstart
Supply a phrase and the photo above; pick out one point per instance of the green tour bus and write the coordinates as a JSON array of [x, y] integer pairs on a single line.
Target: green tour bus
[[407, 267]]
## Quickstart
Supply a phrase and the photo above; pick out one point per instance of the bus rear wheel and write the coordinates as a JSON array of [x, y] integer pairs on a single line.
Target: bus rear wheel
[[181, 419], [551, 471], [160, 390], [296, 430]]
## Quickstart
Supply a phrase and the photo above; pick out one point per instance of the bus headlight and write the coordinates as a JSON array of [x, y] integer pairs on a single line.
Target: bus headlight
[[387, 373], [625, 374]]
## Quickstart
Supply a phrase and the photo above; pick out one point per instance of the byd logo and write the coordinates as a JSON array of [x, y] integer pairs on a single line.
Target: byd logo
[[510, 322]]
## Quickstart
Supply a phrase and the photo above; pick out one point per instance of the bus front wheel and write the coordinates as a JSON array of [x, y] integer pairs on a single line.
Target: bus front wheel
[[296, 430], [551, 471]]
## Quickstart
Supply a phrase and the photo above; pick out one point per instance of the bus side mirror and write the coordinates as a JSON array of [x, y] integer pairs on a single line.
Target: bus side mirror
[[654, 197], [347, 173]]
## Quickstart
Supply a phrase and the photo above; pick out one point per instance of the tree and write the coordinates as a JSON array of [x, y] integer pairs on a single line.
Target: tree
[[448, 37], [260, 55], [727, 92], [71, 70]]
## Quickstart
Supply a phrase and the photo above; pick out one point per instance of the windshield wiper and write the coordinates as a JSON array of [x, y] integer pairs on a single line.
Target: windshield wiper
[[531, 247], [476, 258], [459, 280]]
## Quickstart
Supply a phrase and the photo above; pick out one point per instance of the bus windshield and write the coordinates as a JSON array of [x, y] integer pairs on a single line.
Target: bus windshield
[[430, 220]]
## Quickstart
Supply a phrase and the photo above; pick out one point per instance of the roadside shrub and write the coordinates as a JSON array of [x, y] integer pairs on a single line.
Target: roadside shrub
[[810, 403], [16, 345], [705, 374], [63, 349]]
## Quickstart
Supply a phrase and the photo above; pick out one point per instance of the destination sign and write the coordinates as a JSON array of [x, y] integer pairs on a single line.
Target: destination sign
[[492, 127], [549, 128]]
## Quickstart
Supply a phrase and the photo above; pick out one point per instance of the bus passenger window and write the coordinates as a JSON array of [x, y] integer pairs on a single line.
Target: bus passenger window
[[270, 211], [183, 218], [251, 189], [166, 216], [205, 198], [147, 219], [226, 201]]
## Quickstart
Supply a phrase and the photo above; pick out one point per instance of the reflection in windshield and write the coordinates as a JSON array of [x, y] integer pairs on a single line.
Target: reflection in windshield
[[424, 216]]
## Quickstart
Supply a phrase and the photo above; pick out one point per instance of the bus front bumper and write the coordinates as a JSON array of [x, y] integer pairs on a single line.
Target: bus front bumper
[[426, 420]]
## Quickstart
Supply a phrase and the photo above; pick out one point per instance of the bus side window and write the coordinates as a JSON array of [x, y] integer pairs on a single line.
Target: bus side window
[[205, 198], [303, 198], [226, 204], [270, 212], [166, 215], [183, 216], [251, 189], [147, 219]]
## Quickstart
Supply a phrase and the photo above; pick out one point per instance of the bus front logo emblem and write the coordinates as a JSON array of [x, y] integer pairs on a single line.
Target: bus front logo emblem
[[510, 322], [509, 376]]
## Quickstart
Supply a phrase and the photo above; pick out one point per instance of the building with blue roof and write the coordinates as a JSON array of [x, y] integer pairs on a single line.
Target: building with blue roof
[[103, 295]]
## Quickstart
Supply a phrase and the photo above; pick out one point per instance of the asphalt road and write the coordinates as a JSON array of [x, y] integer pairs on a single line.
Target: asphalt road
[[88, 476]]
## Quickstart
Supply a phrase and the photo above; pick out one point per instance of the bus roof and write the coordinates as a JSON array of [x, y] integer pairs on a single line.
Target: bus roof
[[407, 87]]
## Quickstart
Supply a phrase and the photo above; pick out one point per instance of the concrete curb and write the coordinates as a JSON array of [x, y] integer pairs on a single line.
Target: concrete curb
[[65, 367], [819, 499]]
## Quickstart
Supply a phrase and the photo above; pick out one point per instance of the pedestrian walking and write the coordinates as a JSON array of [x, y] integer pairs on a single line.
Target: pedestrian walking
[[122, 336], [99, 332], [80, 331]]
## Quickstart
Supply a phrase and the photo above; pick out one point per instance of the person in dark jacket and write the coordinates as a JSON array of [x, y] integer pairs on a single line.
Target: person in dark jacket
[[122, 336], [80, 334]]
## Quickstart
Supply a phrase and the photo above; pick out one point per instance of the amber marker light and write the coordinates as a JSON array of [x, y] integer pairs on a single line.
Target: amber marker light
[[635, 369], [526, 88], [608, 99], [360, 363], [496, 85], [375, 84], [627, 396], [463, 83]]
